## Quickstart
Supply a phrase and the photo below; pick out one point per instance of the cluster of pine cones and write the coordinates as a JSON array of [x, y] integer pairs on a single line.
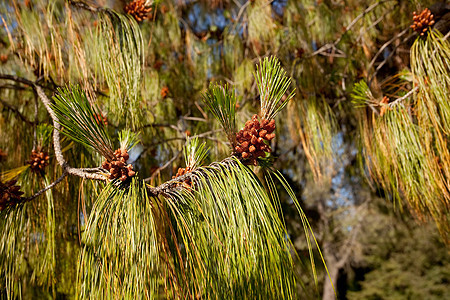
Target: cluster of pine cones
[[186, 183], [251, 139], [422, 21], [10, 194], [38, 160], [118, 168], [139, 9]]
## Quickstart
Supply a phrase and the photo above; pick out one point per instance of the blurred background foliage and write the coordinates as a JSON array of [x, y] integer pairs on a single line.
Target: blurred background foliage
[[372, 176]]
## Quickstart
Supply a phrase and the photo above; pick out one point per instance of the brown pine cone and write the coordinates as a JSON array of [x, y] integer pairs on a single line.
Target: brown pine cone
[[422, 21], [38, 160], [118, 168], [10, 194], [139, 9], [251, 140]]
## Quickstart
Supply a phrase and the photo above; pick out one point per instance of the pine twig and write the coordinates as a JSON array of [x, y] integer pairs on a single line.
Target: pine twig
[[85, 6], [158, 171], [51, 185], [398, 100], [333, 45]]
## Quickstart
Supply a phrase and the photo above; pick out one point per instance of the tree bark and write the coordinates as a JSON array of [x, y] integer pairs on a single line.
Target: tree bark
[[328, 292]]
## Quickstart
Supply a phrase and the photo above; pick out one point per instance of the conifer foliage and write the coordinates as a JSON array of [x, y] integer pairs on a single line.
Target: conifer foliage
[[406, 144], [148, 148], [212, 231]]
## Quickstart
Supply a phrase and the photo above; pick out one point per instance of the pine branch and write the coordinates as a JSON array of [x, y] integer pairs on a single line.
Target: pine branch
[[398, 100], [57, 140], [85, 6]]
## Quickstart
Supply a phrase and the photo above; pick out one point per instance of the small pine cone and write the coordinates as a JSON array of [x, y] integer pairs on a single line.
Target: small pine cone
[[245, 155], [252, 149], [10, 194], [254, 140], [38, 160], [138, 9], [422, 21], [238, 149]]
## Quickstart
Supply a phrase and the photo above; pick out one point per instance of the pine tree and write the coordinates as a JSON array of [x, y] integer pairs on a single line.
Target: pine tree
[[169, 149]]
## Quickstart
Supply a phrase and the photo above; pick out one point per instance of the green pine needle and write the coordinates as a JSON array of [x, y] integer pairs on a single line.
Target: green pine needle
[[194, 154], [221, 101], [80, 120], [128, 139], [273, 84]]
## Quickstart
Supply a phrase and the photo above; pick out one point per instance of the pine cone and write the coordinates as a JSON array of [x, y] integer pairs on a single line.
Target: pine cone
[[422, 21], [10, 194], [139, 9], [118, 168], [38, 160], [251, 140]]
